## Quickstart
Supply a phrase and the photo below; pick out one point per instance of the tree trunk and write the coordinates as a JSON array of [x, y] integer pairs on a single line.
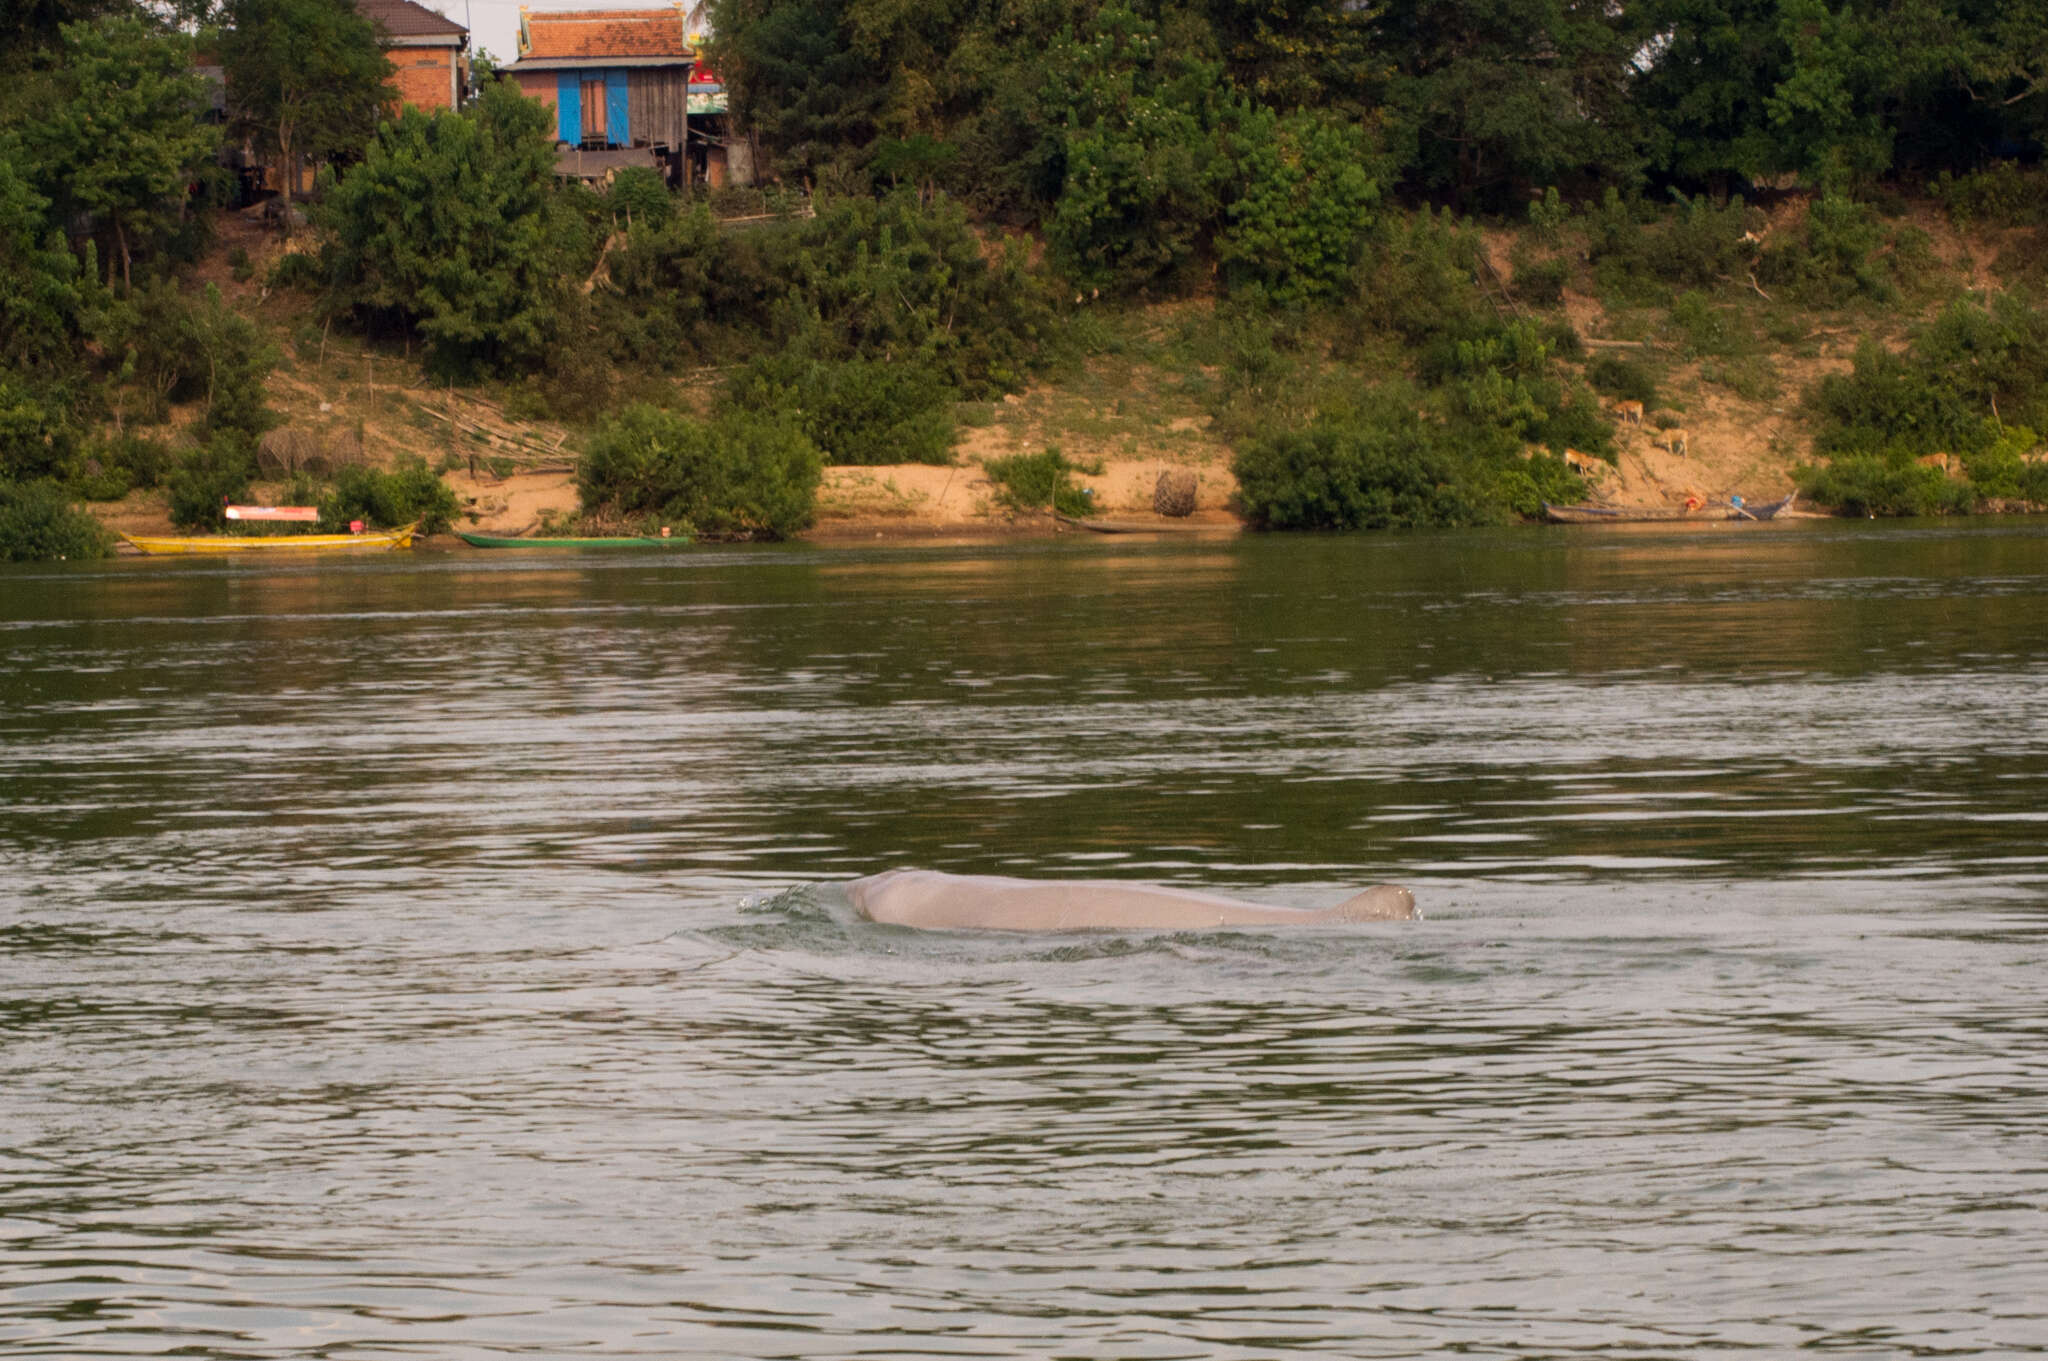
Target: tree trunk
[[121, 239], [288, 171]]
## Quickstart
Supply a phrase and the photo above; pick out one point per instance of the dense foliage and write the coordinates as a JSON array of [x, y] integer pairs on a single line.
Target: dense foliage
[[38, 523], [409, 494], [121, 138], [1111, 118], [896, 280], [448, 228], [305, 79], [738, 476]]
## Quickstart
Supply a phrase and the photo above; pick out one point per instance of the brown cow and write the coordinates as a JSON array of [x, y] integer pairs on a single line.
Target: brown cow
[[1631, 413]]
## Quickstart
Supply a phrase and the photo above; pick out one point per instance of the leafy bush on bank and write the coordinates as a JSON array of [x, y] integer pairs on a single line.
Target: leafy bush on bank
[[206, 480], [38, 523], [1388, 467], [737, 476], [1965, 377], [859, 411], [889, 281], [1876, 484], [409, 494], [1028, 482]]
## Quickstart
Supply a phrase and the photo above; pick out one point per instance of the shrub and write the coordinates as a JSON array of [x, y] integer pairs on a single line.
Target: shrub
[[739, 476], [143, 460], [2000, 195], [1696, 244], [1625, 379], [35, 429], [856, 412], [1873, 484], [1385, 475], [1967, 373], [38, 523], [206, 480], [181, 350], [1540, 283], [1028, 482], [450, 226], [1418, 282], [411, 493], [1524, 487], [1705, 330], [1833, 261], [2004, 472], [638, 195], [1145, 160]]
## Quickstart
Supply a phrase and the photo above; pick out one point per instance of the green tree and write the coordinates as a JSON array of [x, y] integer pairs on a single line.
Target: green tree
[[306, 79], [1292, 54], [29, 29], [446, 227], [1300, 220], [1145, 151], [1708, 71], [1499, 96], [40, 289], [123, 140], [1825, 110], [797, 79]]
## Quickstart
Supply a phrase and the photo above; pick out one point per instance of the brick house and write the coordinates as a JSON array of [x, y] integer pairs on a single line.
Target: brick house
[[429, 50]]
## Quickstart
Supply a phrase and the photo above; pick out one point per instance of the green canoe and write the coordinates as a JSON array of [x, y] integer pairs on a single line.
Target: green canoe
[[499, 541]]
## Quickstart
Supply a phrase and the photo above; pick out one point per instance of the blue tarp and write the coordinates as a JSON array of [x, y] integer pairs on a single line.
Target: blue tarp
[[615, 129], [568, 107]]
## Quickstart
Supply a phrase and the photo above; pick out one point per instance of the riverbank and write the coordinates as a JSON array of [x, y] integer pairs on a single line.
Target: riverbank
[[1724, 380]]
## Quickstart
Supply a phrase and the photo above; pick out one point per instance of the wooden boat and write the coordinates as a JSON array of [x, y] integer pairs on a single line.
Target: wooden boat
[[502, 541], [1763, 512], [371, 541], [1616, 515]]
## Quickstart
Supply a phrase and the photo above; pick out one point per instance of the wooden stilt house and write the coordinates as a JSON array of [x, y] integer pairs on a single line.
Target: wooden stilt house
[[617, 79]]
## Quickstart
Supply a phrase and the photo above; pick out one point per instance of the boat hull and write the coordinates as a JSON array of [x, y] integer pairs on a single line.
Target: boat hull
[[501, 541], [1625, 515], [373, 541]]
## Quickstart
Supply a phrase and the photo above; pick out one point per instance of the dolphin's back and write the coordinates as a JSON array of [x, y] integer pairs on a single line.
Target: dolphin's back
[[932, 899], [1380, 903]]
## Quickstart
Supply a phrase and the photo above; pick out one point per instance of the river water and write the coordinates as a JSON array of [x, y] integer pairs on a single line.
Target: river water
[[440, 956]]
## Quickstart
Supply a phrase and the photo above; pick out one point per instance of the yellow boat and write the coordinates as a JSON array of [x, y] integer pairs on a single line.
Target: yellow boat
[[371, 541]]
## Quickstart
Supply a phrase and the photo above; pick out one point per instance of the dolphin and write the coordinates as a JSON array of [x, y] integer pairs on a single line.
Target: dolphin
[[936, 900]]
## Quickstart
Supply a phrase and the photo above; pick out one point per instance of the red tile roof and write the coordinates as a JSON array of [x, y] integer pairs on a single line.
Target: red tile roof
[[404, 19], [603, 33]]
